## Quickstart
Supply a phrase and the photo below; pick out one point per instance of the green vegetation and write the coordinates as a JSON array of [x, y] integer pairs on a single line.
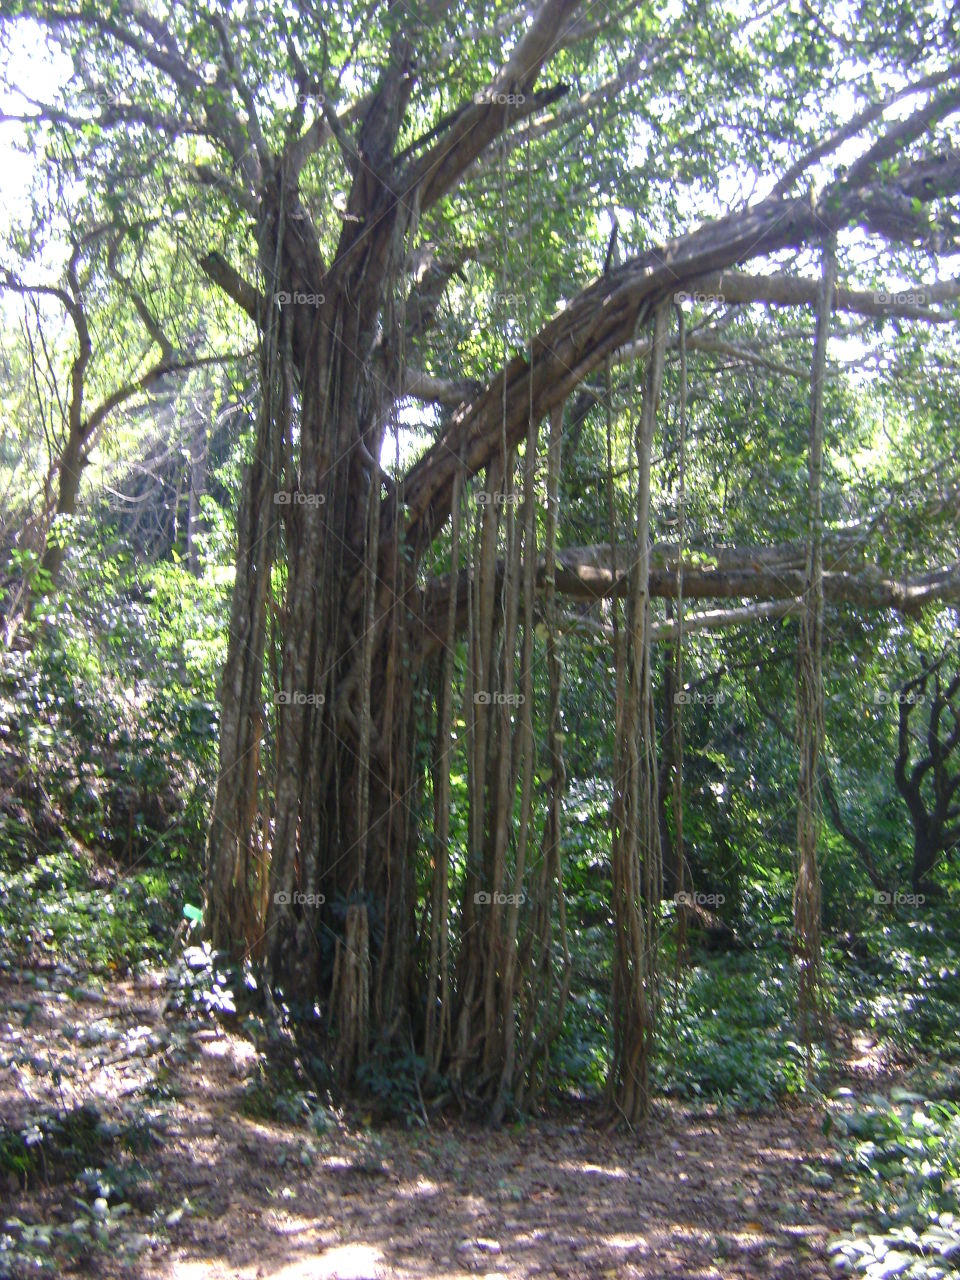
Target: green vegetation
[[903, 1154], [480, 574]]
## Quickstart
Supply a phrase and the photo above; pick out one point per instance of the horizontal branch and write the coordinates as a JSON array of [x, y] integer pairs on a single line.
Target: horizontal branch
[[604, 317], [914, 302], [433, 390], [773, 577], [665, 632]]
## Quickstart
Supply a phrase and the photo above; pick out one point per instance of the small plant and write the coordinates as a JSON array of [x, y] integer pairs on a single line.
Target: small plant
[[394, 1080], [903, 1156], [277, 1094], [207, 984]]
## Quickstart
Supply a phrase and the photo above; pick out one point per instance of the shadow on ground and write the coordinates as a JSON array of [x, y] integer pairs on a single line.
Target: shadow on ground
[[694, 1196]]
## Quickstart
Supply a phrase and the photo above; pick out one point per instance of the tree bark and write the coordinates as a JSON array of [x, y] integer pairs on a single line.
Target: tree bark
[[810, 698]]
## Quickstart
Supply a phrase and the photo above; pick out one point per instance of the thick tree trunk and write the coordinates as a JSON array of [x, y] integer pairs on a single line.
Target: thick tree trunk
[[925, 855], [236, 870], [321, 885]]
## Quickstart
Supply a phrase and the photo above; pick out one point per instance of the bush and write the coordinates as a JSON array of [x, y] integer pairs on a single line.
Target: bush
[[904, 1158]]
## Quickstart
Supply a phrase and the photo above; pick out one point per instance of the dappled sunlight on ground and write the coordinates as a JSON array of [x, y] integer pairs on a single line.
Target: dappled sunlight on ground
[[696, 1196]]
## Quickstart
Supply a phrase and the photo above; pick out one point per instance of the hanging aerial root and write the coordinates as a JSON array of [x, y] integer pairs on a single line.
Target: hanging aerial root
[[810, 698], [636, 860], [676, 709]]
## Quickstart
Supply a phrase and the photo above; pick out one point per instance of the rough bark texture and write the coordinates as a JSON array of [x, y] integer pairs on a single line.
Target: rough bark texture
[[636, 870]]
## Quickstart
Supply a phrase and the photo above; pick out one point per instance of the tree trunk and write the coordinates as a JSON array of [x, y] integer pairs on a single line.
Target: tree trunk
[[197, 482], [323, 889], [236, 866], [925, 855], [72, 466]]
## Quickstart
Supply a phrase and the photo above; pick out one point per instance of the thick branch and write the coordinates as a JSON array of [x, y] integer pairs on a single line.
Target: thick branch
[[913, 303], [603, 317], [477, 125], [773, 576], [433, 390], [244, 294]]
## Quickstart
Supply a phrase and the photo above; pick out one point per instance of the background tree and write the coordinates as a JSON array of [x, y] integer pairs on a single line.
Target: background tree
[[928, 784]]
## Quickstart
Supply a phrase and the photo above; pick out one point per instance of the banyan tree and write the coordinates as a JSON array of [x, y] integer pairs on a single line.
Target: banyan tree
[[397, 608]]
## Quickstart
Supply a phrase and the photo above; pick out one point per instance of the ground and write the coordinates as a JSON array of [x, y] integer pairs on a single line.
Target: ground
[[695, 1195]]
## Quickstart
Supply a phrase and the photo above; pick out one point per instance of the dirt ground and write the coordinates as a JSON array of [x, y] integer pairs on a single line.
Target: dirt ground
[[694, 1196]]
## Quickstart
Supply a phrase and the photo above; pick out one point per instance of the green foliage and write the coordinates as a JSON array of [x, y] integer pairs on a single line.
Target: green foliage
[[903, 1155], [94, 1162], [62, 909], [278, 1093], [394, 1081], [728, 1034], [109, 724], [58, 1145], [208, 984], [902, 982]]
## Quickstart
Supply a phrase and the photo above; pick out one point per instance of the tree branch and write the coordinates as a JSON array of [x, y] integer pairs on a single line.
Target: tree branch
[[243, 293], [772, 576], [602, 318], [858, 124], [477, 125]]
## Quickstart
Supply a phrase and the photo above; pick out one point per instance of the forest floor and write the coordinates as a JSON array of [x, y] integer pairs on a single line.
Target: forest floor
[[211, 1193]]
